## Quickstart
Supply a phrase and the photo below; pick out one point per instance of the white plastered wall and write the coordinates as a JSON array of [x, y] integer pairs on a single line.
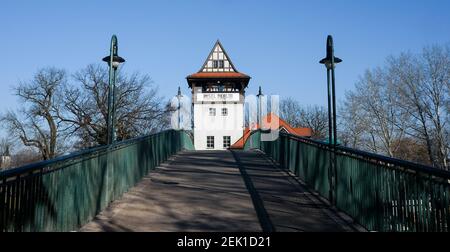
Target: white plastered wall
[[218, 125]]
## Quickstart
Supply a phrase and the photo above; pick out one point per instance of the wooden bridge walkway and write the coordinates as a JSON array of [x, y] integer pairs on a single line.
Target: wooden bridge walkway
[[220, 191]]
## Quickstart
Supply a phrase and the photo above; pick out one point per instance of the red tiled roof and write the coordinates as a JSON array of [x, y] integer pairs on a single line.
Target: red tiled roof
[[217, 75], [239, 144], [303, 132], [267, 124]]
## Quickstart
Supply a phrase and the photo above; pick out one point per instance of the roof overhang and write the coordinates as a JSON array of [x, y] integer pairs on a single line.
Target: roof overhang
[[217, 76]]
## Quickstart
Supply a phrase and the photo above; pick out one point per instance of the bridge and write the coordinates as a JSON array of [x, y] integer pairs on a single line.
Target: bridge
[[159, 183]]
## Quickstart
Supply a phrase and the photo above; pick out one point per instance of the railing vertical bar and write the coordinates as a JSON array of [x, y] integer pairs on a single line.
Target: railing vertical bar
[[428, 204], [389, 201], [443, 219], [20, 203], [39, 202], [17, 204], [34, 206], [407, 202], [2, 204], [30, 199], [399, 201], [29, 202], [438, 207], [55, 199], [422, 205], [386, 201], [446, 207], [12, 196], [380, 190], [420, 212], [433, 207], [404, 202], [443, 210], [412, 226], [26, 204], [7, 215], [417, 203]]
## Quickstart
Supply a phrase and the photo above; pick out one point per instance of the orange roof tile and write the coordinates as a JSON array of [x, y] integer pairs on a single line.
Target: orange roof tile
[[303, 132], [267, 124]]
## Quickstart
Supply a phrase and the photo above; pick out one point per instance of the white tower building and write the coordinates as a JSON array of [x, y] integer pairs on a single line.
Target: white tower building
[[218, 92]]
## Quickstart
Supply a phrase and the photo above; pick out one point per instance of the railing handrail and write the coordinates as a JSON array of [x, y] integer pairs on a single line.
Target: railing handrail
[[415, 167], [64, 193], [41, 164], [394, 161]]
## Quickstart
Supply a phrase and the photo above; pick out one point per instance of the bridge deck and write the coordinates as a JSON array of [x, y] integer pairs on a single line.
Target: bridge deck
[[218, 191]]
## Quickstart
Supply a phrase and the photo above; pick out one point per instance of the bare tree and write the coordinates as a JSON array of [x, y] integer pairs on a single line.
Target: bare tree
[[436, 67], [290, 111], [402, 110], [352, 124], [139, 110], [24, 156], [422, 82], [314, 117], [6, 146], [36, 123], [407, 78], [376, 101], [412, 149], [5, 153]]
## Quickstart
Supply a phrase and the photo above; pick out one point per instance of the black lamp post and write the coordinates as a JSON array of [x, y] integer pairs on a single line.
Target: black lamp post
[[113, 60], [330, 62], [179, 95], [259, 108]]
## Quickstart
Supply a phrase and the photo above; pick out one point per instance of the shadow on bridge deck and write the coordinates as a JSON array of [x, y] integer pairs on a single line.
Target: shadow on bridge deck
[[218, 191]]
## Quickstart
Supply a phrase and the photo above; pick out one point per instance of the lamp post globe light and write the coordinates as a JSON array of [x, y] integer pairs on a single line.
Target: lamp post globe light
[[330, 63], [113, 60]]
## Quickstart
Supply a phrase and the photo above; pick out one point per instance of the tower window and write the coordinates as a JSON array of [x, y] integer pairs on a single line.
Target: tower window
[[210, 142], [224, 111], [226, 141], [217, 63], [212, 111]]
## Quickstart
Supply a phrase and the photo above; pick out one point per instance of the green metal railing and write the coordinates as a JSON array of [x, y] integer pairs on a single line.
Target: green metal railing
[[64, 193], [380, 193]]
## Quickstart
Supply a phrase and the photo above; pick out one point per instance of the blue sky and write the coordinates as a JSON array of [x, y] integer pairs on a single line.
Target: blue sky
[[277, 43]]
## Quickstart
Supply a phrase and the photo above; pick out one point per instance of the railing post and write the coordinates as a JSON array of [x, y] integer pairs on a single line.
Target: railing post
[[330, 176], [2, 202], [335, 171]]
